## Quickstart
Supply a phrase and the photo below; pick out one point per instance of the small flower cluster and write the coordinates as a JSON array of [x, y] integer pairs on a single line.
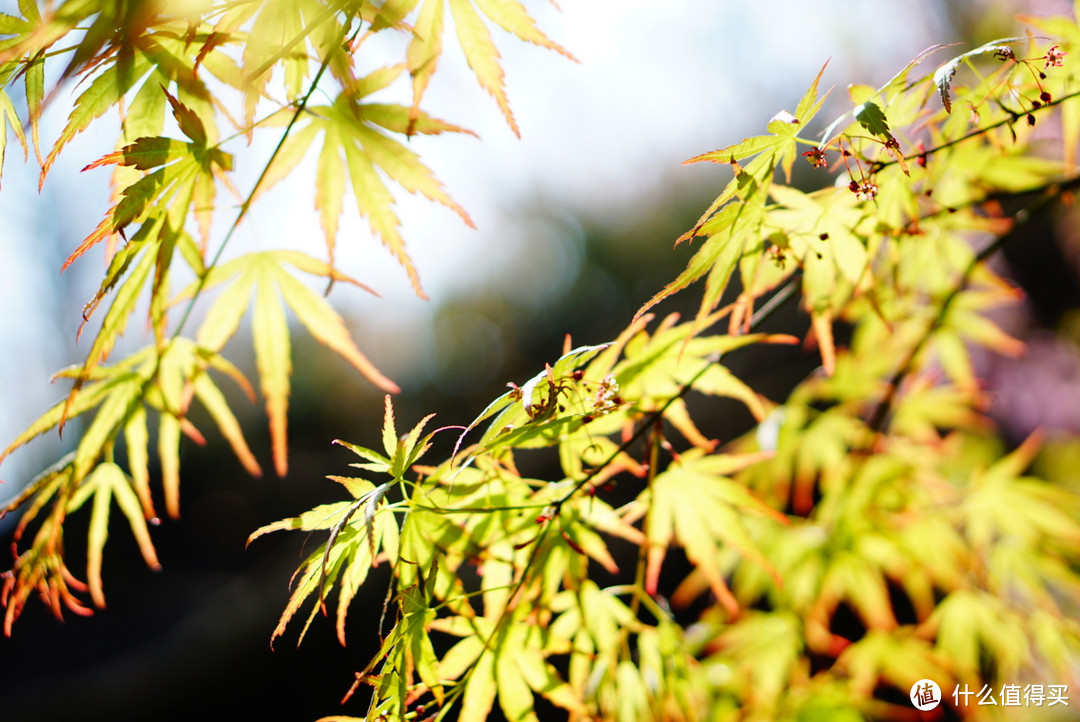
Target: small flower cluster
[[607, 396], [778, 256], [864, 191], [1054, 58], [817, 157]]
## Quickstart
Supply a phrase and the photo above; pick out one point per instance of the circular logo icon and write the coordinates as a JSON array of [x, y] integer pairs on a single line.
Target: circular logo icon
[[925, 694]]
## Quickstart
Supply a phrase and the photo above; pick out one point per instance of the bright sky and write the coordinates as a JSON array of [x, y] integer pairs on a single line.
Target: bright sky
[[657, 83]]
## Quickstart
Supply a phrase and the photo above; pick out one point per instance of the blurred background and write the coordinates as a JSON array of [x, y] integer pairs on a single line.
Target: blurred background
[[575, 229]]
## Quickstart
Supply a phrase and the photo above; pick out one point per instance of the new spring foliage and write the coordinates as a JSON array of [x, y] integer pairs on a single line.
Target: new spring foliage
[[876, 490]]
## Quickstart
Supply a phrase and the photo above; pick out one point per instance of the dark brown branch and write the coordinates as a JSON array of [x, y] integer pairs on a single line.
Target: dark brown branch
[[884, 406], [1013, 117]]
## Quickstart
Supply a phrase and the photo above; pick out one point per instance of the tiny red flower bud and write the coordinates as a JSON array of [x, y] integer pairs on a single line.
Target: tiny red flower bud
[[1045, 97], [1030, 119], [920, 159], [824, 236]]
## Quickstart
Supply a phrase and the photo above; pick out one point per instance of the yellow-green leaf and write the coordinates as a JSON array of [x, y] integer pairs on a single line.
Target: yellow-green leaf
[[323, 322], [273, 358]]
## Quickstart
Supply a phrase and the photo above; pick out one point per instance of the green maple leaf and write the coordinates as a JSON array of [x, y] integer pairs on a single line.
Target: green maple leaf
[[263, 276], [27, 46], [695, 503], [122, 392], [287, 34], [9, 116], [507, 663], [734, 219], [401, 453], [180, 173], [349, 553], [107, 483], [530, 416], [355, 149], [656, 366], [944, 74], [155, 60], [473, 35]]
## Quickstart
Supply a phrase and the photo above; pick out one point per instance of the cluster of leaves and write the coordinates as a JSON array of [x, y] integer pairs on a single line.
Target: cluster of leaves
[[869, 533], [190, 78]]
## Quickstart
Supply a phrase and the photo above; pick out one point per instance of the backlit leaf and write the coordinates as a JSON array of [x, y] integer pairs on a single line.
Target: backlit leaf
[[264, 276], [273, 358], [699, 508], [944, 74]]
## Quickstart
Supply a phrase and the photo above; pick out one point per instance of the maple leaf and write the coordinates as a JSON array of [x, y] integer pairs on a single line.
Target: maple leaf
[[181, 173], [944, 74], [358, 530], [263, 275], [349, 553], [474, 37], [355, 147], [530, 415], [156, 60], [9, 116], [106, 483], [282, 33], [119, 393], [693, 502], [657, 366]]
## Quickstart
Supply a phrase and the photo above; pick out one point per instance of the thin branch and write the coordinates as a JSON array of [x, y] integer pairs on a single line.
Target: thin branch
[[246, 205], [1013, 117], [884, 406], [770, 307]]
